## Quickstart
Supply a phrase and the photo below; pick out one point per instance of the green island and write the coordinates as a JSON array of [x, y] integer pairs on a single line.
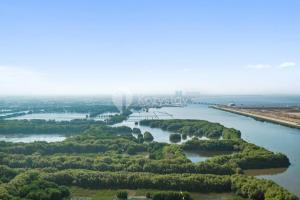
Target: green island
[[107, 162]]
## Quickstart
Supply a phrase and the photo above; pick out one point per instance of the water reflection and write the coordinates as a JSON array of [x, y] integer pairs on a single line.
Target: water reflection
[[260, 172], [200, 156], [32, 138], [274, 137], [52, 116]]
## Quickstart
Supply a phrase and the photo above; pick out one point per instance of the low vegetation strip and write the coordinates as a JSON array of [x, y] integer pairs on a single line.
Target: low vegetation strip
[[33, 182], [244, 155], [196, 128], [38, 126]]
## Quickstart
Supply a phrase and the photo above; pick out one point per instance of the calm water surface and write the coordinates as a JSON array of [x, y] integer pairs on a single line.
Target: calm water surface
[[202, 156], [271, 136], [32, 138], [52, 116]]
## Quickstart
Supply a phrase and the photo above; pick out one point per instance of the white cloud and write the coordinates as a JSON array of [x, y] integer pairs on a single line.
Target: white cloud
[[259, 66], [283, 65], [287, 65]]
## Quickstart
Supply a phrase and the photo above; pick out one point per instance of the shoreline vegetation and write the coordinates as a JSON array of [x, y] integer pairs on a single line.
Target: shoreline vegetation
[[105, 157], [258, 116], [91, 108], [109, 194]]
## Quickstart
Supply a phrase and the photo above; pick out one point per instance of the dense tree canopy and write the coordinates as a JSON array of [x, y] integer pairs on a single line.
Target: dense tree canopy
[[102, 156], [196, 128], [175, 137], [148, 137], [38, 126], [30, 185]]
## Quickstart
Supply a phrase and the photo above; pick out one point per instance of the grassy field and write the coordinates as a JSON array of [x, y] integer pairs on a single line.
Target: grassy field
[[105, 194]]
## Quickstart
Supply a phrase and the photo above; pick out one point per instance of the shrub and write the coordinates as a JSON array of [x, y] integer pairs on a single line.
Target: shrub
[[175, 137], [148, 195], [148, 137], [136, 130], [171, 196], [122, 195]]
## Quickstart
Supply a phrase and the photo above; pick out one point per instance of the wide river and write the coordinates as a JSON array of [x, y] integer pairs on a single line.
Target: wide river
[[271, 136]]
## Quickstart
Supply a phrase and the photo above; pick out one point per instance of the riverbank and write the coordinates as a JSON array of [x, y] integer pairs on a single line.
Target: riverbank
[[274, 116]]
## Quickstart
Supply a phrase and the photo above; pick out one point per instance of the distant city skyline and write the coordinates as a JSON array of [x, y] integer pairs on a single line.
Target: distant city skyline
[[157, 47]]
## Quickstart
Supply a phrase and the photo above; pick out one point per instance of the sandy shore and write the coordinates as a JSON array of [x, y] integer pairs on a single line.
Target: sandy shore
[[287, 117]]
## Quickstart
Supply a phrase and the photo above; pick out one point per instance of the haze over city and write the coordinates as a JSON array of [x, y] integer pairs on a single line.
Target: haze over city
[[97, 47], [149, 100]]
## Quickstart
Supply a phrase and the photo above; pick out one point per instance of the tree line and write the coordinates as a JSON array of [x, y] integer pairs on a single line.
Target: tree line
[[197, 128], [47, 185], [30, 185], [112, 157], [245, 186], [38, 126], [116, 142]]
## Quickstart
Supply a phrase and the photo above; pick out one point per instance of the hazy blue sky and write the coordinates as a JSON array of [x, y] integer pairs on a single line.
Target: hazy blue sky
[[94, 47]]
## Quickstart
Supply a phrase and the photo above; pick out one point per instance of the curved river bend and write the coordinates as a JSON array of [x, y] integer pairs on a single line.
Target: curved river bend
[[274, 137], [271, 136]]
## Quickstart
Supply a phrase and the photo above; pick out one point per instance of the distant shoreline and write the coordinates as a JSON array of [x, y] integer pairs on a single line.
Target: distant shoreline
[[258, 116]]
